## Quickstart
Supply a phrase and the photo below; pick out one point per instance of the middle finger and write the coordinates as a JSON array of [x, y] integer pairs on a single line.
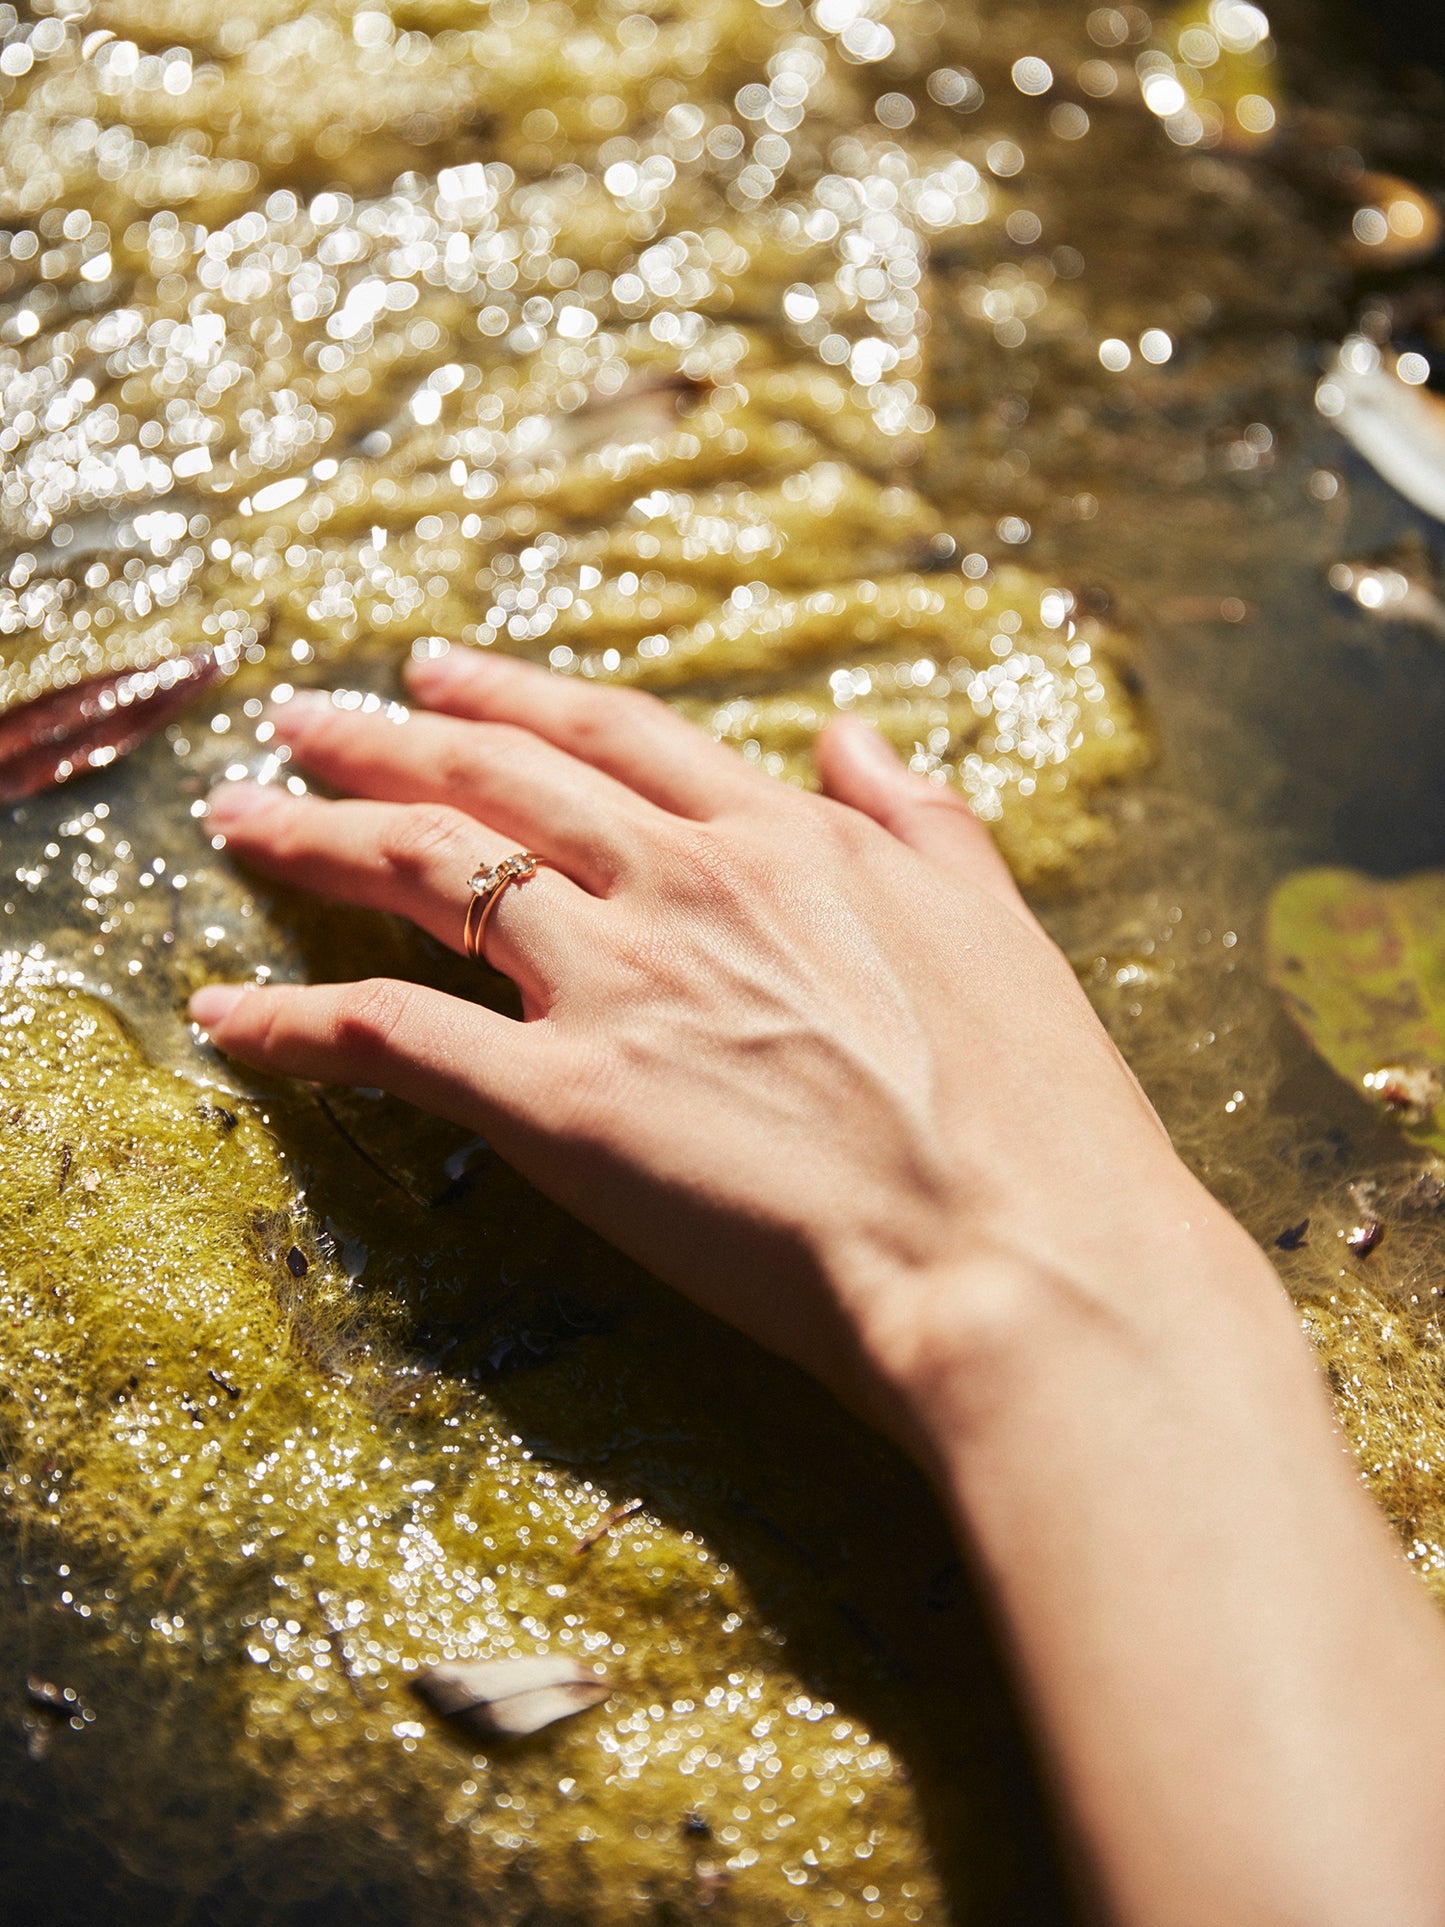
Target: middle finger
[[545, 799]]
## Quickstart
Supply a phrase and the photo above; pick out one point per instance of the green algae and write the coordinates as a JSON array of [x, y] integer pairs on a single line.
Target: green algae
[[652, 405], [244, 1512], [332, 331]]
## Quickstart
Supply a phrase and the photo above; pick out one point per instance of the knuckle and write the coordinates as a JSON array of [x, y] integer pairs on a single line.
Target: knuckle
[[370, 1013], [711, 866], [582, 1103], [283, 822], [456, 765], [503, 754], [418, 837], [639, 951], [321, 728], [606, 718], [631, 705], [938, 800], [848, 830], [263, 1016]]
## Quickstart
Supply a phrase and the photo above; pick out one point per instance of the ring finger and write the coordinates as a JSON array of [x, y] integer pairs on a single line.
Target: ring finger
[[414, 860]]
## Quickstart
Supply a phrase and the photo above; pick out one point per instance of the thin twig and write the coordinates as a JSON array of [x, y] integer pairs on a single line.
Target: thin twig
[[604, 1525]]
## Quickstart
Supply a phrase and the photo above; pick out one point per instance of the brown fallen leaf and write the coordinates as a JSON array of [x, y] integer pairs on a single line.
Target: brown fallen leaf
[[1412, 1092], [505, 1699], [68, 732]]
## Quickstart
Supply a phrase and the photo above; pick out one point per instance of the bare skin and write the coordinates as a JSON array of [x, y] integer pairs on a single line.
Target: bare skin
[[812, 1060]]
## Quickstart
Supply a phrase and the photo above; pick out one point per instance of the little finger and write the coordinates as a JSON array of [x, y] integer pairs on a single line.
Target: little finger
[[457, 1060]]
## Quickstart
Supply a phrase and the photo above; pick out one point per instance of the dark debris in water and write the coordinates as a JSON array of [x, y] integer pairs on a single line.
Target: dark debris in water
[[604, 1525], [53, 1708], [1363, 1238]]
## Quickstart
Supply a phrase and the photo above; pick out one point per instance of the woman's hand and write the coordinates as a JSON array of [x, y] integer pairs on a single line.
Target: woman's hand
[[810, 1059]]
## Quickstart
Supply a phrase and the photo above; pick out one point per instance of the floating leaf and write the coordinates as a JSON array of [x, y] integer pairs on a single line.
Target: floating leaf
[[642, 409], [1361, 964], [507, 1698], [68, 732]]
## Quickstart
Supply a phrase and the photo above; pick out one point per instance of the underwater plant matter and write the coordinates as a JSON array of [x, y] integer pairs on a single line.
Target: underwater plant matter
[[250, 1515]]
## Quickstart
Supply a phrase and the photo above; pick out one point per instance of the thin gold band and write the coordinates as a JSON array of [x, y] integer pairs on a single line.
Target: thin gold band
[[486, 886]]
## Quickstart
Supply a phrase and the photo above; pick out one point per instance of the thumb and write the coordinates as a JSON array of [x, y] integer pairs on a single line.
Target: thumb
[[857, 767]]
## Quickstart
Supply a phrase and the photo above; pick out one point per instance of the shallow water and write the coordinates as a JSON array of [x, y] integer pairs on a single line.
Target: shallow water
[[299, 1401]]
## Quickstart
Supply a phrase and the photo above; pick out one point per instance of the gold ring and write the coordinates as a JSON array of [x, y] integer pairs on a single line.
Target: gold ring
[[486, 885]]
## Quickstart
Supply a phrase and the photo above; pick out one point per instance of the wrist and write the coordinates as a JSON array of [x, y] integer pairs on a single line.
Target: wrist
[[951, 1348]]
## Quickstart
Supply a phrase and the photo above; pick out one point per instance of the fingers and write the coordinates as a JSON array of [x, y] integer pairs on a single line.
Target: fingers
[[458, 1060], [628, 734], [529, 792], [413, 860], [857, 767]]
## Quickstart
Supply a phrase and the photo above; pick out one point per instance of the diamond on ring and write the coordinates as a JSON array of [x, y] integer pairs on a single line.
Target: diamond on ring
[[486, 885], [516, 868]]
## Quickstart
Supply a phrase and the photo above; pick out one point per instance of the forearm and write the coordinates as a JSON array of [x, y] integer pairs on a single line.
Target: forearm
[[1238, 1685]]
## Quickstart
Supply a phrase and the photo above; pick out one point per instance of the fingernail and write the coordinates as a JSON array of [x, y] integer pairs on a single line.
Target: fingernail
[[214, 1004], [233, 802]]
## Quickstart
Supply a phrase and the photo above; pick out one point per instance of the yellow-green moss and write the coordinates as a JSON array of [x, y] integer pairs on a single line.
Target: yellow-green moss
[[242, 1511]]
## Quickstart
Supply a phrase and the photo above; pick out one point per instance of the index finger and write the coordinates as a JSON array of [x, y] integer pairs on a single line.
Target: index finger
[[626, 733]]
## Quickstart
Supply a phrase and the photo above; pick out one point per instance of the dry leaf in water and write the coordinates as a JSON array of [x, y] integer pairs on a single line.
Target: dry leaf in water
[[505, 1699], [68, 732]]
